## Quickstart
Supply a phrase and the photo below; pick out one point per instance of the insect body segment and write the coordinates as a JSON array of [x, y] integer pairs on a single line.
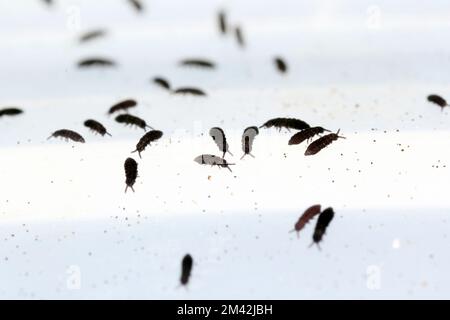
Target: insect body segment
[[191, 91], [186, 269], [247, 140], [96, 62], [163, 83], [146, 139], [10, 111], [122, 106], [209, 159], [306, 134], [288, 123], [321, 143], [322, 223], [222, 22], [219, 138], [96, 127], [68, 135], [198, 63], [441, 102], [309, 213], [131, 120], [131, 173], [91, 35], [280, 64]]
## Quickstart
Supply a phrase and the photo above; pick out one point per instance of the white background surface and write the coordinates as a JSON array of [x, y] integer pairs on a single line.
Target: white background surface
[[360, 66]]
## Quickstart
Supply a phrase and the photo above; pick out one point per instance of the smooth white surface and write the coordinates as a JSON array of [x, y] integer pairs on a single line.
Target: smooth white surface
[[366, 70]]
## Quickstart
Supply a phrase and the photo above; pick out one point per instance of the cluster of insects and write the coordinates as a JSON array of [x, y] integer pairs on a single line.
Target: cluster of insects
[[121, 113], [323, 221], [306, 133]]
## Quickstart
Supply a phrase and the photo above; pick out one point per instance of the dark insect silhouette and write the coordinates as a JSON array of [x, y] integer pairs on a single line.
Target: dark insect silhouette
[[321, 143], [222, 22], [10, 111], [280, 64], [239, 36], [91, 35], [137, 5], [96, 127], [321, 226], [309, 213], [122, 106], [186, 269], [68, 135], [220, 139], [131, 120], [198, 63], [288, 123], [209, 159], [96, 62], [163, 83], [146, 139], [441, 102], [48, 2], [306, 134], [247, 140], [189, 90], [131, 173]]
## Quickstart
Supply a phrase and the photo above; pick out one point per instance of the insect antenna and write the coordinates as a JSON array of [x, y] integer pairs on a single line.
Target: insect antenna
[[318, 245], [337, 133]]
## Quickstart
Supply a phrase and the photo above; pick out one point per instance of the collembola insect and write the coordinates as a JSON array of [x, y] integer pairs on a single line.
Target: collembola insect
[[239, 36], [288, 123], [321, 143], [96, 62], [209, 159], [146, 139], [247, 140], [122, 106], [91, 35], [137, 5], [10, 111], [198, 63], [280, 64], [189, 90], [68, 135], [186, 269], [131, 173], [220, 139], [131, 120], [306, 134], [222, 22], [163, 83], [309, 213], [324, 220], [96, 127], [441, 102]]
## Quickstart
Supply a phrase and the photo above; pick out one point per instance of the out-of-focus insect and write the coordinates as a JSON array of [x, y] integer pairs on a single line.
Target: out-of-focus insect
[[222, 22], [49, 2], [186, 269], [163, 83], [68, 135], [122, 106], [146, 139], [321, 226], [321, 143], [220, 139], [306, 134], [239, 36], [280, 64], [209, 159], [198, 63], [131, 173], [247, 140], [288, 123], [91, 35], [137, 5], [441, 102], [189, 90], [96, 127], [131, 120], [96, 62], [309, 213], [10, 111]]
